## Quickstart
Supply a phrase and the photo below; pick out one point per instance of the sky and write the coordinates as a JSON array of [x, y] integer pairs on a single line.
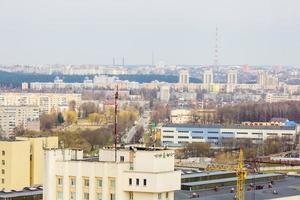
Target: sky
[[256, 32]]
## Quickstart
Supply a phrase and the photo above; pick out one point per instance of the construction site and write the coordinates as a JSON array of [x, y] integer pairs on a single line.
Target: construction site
[[271, 177]]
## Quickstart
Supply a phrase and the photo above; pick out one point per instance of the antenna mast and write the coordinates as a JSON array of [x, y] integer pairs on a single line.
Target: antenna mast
[[116, 115]]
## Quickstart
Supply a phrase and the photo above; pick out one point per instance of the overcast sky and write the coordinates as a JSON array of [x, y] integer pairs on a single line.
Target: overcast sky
[[178, 31]]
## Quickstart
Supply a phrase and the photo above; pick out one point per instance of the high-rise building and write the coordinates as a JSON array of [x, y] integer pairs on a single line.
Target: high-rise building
[[208, 77], [232, 77], [165, 93], [22, 161], [184, 77], [11, 117], [138, 173]]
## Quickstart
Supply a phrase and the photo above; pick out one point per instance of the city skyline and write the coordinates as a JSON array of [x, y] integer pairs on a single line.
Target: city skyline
[[80, 32]]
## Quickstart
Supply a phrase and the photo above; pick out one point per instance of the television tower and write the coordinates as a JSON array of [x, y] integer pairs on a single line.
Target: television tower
[[216, 50]]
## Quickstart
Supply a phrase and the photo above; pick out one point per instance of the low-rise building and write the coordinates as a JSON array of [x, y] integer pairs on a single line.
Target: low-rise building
[[180, 134], [137, 174]]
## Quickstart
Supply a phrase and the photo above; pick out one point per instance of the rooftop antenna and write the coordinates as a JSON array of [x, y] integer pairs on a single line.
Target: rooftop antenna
[[152, 57], [116, 114]]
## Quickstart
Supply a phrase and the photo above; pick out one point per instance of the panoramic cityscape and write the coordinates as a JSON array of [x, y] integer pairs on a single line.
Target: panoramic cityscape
[[149, 100]]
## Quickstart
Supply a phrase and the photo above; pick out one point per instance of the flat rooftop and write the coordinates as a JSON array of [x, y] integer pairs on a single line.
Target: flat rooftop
[[223, 180], [233, 126], [287, 187], [202, 174]]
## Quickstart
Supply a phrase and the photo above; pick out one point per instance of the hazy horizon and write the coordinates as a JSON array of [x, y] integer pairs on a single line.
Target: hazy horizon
[[94, 31]]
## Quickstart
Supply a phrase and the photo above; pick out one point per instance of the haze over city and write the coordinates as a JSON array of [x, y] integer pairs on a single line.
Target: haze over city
[[178, 32]]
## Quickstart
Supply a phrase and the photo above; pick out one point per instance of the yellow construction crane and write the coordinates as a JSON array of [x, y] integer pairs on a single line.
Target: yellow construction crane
[[241, 173]]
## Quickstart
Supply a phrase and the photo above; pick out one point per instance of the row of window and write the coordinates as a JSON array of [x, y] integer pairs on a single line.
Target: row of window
[[137, 182], [86, 196], [86, 182]]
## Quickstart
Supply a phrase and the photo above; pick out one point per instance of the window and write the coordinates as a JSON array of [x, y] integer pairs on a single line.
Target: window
[[3, 171], [112, 184], [122, 159], [59, 181], [59, 196], [183, 137], [145, 182], [86, 196], [99, 183], [242, 133], [168, 136], [72, 195], [168, 131], [159, 195], [3, 162], [130, 195], [86, 182], [228, 133], [112, 196], [130, 181], [72, 182], [99, 196], [197, 137], [3, 153], [183, 131], [197, 131], [137, 181]]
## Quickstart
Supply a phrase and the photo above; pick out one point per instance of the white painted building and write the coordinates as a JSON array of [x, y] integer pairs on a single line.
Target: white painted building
[[179, 134], [138, 174]]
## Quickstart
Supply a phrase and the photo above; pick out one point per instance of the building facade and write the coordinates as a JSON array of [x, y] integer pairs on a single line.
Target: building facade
[[22, 161], [180, 134], [47, 102], [146, 174], [11, 117]]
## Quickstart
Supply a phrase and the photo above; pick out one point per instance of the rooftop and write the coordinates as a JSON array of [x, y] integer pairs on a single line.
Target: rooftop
[[286, 188], [233, 126]]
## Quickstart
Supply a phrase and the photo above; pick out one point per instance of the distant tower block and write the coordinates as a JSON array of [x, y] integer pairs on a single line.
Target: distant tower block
[[184, 77], [232, 77], [208, 77]]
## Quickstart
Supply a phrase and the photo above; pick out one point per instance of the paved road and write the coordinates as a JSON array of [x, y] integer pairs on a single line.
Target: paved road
[[143, 121]]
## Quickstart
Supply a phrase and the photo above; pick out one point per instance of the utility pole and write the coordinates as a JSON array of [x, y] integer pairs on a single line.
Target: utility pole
[[116, 115]]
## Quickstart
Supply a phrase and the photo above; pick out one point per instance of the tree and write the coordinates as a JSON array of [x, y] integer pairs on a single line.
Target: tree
[[87, 108], [60, 118], [72, 105], [47, 121], [197, 149], [71, 117], [96, 118]]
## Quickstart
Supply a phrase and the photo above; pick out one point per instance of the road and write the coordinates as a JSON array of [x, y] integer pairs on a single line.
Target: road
[[143, 121]]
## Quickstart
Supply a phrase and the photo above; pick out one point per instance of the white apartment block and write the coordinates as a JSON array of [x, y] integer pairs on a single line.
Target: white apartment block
[[47, 102], [138, 174], [180, 134], [18, 116]]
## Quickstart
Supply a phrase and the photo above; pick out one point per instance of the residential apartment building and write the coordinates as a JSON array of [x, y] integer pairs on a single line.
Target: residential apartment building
[[180, 134], [138, 174], [47, 102], [12, 117], [22, 161]]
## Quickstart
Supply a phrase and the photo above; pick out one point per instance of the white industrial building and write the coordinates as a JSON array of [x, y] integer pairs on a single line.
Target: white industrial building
[[179, 134], [138, 174]]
